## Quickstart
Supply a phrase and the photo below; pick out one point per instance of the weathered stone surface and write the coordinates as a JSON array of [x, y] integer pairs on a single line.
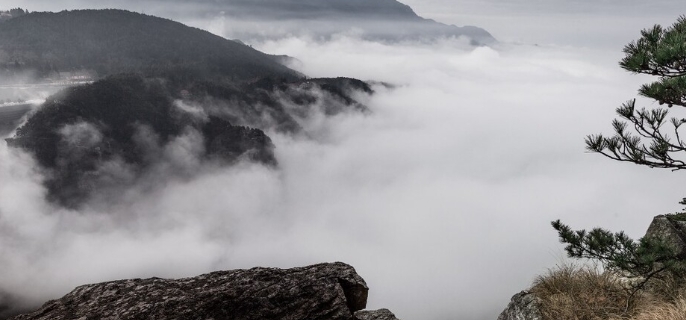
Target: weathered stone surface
[[381, 314], [671, 230], [325, 291], [523, 306]]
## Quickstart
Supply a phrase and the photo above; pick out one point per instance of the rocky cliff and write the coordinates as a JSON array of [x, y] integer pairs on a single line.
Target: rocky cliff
[[325, 291]]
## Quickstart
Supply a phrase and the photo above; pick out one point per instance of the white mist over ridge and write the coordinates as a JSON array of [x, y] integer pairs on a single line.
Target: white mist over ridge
[[441, 197]]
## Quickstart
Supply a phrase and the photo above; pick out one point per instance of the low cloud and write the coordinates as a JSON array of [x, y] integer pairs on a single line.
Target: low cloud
[[81, 135], [443, 196]]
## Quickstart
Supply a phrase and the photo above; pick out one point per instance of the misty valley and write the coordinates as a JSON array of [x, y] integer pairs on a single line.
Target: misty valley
[[153, 92], [111, 104], [341, 159]]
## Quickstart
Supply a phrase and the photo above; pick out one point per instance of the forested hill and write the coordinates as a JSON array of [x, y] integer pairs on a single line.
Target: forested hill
[[128, 121], [104, 42], [308, 9]]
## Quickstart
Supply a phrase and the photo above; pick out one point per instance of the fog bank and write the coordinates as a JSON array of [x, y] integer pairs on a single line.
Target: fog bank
[[441, 197]]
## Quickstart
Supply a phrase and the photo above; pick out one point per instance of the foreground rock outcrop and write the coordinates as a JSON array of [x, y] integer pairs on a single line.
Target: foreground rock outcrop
[[523, 306], [325, 291], [672, 229]]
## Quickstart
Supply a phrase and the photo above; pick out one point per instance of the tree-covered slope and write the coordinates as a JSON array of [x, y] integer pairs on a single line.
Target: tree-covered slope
[[110, 133], [277, 105], [113, 41]]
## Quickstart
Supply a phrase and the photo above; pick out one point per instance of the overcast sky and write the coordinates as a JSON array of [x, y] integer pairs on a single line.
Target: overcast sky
[[441, 198], [563, 22]]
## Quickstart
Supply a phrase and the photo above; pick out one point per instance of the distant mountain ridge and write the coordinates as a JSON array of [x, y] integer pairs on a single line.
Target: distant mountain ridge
[[299, 9], [248, 20], [108, 42], [386, 20]]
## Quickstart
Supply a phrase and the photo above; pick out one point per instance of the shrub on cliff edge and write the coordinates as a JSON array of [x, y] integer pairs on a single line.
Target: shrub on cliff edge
[[644, 137]]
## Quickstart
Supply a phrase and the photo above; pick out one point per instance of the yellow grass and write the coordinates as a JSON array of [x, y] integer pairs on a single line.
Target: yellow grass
[[586, 293], [581, 293], [663, 311]]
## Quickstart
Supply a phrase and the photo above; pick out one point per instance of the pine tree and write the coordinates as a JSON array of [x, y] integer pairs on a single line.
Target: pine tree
[[645, 259], [17, 12], [656, 141], [643, 137]]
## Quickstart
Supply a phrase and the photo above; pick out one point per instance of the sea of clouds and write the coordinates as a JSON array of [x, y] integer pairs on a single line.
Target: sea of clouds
[[441, 196]]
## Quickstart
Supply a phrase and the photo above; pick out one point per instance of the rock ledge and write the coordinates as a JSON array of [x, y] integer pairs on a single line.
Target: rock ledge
[[324, 291]]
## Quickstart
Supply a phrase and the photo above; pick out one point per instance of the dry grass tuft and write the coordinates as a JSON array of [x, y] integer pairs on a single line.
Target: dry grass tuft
[[582, 293], [585, 293], [663, 311], [668, 287]]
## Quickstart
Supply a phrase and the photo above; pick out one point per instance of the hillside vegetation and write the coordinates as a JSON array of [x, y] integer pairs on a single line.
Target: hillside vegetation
[[128, 123], [105, 42], [586, 293]]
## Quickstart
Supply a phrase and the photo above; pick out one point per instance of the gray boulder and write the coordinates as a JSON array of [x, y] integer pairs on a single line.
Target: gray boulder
[[671, 229], [330, 291], [523, 306], [381, 314]]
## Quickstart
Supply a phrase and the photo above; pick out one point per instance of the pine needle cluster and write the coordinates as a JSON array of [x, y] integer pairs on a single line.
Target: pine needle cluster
[[649, 137]]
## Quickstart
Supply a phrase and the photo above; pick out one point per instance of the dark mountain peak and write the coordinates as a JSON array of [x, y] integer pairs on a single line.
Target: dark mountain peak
[[111, 41]]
